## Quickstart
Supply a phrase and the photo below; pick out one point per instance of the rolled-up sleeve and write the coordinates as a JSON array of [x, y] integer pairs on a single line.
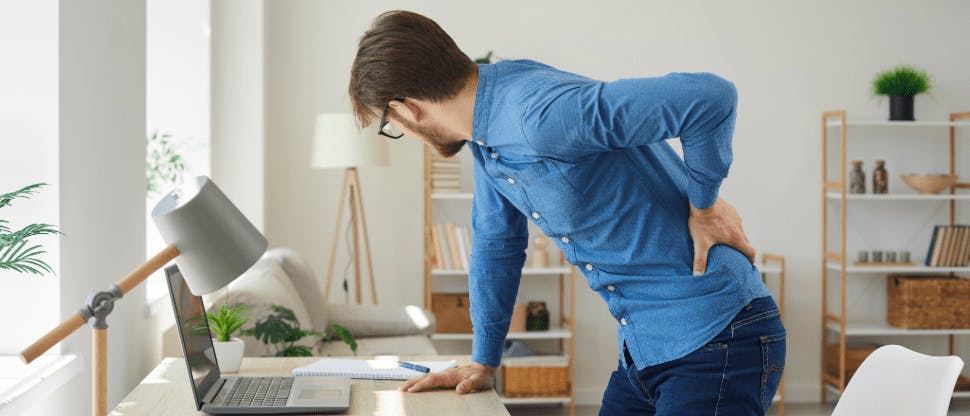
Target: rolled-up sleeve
[[499, 238], [594, 116]]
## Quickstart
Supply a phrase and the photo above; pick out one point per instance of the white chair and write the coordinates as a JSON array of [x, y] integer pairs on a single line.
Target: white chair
[[894, 380]]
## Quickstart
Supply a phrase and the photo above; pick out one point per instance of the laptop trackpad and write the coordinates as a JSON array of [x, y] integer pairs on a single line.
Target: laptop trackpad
[[311, 393], [316, 391]]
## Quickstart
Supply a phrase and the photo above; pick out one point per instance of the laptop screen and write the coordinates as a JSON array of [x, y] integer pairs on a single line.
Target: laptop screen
[[193, 328]]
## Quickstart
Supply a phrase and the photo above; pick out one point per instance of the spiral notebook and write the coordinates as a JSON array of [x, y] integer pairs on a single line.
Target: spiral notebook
[[379, 369]]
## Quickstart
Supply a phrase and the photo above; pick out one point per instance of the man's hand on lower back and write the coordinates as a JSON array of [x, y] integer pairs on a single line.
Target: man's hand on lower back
[[718, 224], [464, 379]]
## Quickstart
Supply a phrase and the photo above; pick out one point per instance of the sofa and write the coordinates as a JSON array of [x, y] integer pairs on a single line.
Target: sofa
[[281, 277]]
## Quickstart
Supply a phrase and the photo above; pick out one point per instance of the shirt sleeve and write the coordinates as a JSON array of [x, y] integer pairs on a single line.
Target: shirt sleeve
[[500, 236], [593, 116]]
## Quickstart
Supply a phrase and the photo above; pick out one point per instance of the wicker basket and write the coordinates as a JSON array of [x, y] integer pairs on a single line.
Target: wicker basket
[[927, 302], [854, 355], [451, 312], [535, 377]]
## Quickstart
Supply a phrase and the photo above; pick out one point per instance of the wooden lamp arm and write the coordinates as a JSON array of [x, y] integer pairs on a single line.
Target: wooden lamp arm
[[77, 320]]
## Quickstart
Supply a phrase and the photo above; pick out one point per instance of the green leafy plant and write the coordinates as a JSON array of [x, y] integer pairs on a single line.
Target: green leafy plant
[[17, 253], [282, 331], [164, 165], [902, 81], [487, 59], [227, 321]]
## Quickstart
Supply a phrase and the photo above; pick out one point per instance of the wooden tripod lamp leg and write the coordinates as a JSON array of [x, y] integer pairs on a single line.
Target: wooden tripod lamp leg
[[359, 206], [336, 234], [99, 378]]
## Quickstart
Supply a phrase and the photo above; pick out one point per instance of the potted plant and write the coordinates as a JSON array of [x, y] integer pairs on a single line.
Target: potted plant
[[281, 330], [223, 324], [901, 84]]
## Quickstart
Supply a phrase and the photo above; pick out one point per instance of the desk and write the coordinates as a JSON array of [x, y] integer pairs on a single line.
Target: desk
[[166, 392]]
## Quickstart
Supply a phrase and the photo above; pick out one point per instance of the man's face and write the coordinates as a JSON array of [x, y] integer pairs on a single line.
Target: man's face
[[430, 136]]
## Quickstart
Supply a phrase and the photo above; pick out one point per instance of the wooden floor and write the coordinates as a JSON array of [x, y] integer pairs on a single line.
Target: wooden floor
[[957, 408]]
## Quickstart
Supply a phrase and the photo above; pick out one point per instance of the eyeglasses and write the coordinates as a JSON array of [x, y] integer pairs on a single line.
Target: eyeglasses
[[386, 128]]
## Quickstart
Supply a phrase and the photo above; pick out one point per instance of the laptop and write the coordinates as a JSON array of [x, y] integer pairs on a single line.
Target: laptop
[[220, 395]]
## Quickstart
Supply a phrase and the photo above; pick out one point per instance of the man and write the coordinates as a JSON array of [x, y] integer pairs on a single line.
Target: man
[[588, 163]]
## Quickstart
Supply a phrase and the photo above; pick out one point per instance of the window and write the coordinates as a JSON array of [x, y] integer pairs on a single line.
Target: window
[[177, 82]]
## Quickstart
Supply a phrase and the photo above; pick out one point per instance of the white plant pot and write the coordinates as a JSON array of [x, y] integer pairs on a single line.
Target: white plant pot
[[229, 354]]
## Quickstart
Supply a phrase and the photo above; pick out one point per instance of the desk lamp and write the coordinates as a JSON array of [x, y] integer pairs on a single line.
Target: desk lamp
[[210, 240]]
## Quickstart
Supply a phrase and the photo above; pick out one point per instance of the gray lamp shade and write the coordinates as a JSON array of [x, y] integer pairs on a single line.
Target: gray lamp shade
[[216, 243]]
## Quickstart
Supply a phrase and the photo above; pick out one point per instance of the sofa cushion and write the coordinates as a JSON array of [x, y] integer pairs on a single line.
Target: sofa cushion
[[305, 282], [406, 345], [263, 284], [382, 320]]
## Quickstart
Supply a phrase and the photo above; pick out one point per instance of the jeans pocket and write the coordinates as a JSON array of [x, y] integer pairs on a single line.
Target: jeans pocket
[[773, 365]]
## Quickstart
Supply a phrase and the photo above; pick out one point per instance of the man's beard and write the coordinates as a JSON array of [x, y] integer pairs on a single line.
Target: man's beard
[[445, 147]]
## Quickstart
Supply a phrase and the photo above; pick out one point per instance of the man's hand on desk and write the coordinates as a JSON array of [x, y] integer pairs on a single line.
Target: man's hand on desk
[[464, 379]]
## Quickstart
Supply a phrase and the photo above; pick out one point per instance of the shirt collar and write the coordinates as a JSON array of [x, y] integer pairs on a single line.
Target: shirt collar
[[483, 102]]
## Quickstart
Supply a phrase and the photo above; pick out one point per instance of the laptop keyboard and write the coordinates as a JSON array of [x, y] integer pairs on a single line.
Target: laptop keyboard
[[260, 391]]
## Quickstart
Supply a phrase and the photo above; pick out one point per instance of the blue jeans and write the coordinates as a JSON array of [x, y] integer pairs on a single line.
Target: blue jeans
[[735, 374]]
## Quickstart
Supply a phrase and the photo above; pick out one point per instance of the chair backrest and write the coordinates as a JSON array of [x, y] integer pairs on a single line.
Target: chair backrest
[[894, 380]]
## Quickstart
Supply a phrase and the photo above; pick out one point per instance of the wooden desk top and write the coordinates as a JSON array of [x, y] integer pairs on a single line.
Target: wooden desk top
[[166, 391]]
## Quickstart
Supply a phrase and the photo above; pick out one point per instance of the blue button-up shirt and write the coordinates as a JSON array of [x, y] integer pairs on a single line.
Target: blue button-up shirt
[[587, 162]]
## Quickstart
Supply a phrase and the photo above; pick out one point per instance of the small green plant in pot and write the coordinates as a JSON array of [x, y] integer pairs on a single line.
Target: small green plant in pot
[[281, 330], [223, 324], [901, 84]]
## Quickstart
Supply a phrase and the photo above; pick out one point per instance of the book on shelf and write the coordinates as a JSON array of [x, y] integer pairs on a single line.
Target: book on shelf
[[445, 183], [445, 175], [949, 246], [453, 245], [439, 259], [463, 248], [446, 261]]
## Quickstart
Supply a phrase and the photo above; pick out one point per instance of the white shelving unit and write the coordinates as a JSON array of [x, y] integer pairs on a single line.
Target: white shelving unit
[[835, 320], [563, 274]]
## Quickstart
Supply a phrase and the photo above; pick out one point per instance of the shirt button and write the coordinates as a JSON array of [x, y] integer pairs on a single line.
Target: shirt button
[[565, 239], [622, 321], [589, 266], [480, 143], [611, 288], [512, 181], [535, 215], [494, 155]]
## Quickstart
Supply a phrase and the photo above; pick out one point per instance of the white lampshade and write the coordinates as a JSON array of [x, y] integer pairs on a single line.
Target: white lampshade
[[216, 243], [338, 143]]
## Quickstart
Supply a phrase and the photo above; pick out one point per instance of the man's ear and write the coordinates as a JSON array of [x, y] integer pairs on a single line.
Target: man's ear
[[409, 110]]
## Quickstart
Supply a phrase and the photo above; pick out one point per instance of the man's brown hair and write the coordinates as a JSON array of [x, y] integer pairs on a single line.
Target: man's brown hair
[[405, 54]]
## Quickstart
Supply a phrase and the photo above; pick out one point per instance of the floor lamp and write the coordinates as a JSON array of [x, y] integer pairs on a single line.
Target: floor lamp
[[212, 242], [338, 143]]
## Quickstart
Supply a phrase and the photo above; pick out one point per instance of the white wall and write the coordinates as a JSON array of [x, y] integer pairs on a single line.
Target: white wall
[[102, 184], [237, 104], [790, 61], [28, 154]]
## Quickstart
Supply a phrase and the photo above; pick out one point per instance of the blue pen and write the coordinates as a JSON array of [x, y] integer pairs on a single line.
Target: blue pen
[[415, 367]]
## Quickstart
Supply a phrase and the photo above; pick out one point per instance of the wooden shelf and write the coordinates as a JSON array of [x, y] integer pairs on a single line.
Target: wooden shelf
[[882, 328], [534, 400], [552, 333], [459, 196], [834, 147], [896, 269], [769, 268], [837, 196], [887, 123], [528, 271]]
